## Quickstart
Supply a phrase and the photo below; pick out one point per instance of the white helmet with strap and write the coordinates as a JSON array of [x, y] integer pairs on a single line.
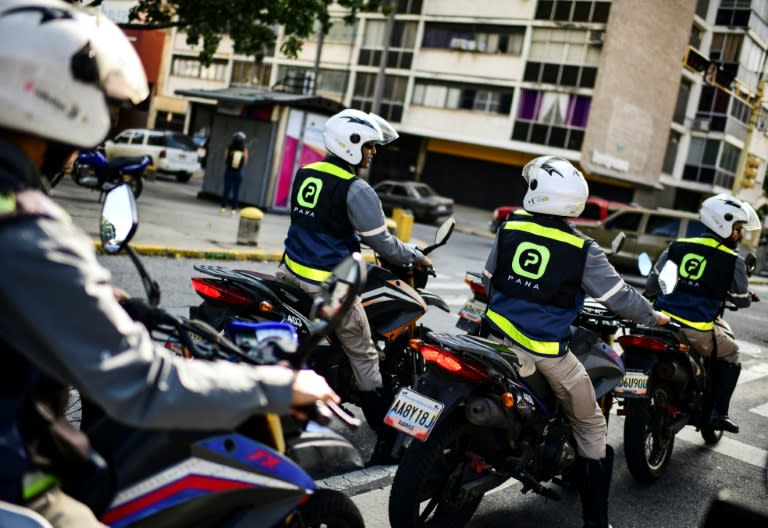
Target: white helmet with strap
[[720, 212], [555, 187], [58, 65], [346, 132]]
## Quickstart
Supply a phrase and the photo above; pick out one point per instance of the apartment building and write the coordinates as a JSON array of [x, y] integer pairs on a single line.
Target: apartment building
[[477, 89]]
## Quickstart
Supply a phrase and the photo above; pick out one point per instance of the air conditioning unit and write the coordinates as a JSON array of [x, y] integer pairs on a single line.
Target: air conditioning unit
[[470, 45], [596, 37], [700, 123], [458, 43]]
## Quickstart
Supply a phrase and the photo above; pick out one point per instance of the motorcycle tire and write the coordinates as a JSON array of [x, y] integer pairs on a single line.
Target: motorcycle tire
[[646, 454], [183, 177], [424, 478], [135, 183], [331, 509], [711, 435]]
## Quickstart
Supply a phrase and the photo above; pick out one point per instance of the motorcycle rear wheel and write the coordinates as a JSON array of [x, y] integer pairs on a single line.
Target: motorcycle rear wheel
[[135, 183], [421, 494], [331, 509], [647, 454]]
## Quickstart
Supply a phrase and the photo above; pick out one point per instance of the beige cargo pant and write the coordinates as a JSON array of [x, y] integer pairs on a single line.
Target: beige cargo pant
[[62, 511], [353, 332], [727, 348], [573, 388]]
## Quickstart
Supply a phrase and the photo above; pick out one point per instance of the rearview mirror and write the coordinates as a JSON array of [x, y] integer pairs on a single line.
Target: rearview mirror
[[644, 264], [668, 277], [119, 219], [751, 262], [442, 235]]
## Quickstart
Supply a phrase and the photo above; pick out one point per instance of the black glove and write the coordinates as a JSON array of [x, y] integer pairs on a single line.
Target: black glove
[[142, 312], [754, 296]]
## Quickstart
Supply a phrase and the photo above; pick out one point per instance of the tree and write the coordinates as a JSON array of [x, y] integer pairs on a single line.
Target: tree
[[250, 23]]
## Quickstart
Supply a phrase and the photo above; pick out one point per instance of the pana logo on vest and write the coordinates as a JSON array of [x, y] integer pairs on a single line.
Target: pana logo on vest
[[309, 192], [530, 260], [692, 266]]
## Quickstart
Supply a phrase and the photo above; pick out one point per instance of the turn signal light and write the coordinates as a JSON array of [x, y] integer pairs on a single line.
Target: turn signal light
[[415, 344], [508, 400], [266, 307], [214, 290]]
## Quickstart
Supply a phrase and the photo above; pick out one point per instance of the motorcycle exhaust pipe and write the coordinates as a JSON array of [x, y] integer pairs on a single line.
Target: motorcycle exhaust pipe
[[485, 412], [673, 372]]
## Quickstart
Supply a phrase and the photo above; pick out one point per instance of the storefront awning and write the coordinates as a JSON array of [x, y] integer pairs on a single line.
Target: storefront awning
[[255, 96]]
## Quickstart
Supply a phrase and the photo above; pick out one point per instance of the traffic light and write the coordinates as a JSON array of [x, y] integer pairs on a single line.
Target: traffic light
[[695, 61], [711, 70], [750, 171]]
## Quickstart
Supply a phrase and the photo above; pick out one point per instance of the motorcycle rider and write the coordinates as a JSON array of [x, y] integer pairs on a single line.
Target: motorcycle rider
[[62, 325], [332, 211], [710, 272], [537, 273]]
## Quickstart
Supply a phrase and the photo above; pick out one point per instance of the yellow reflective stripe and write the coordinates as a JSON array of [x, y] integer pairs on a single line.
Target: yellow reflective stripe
[[521, 212], [547, 348], [305, 271], [35, 483], [7, 203], [698, 326], [546, 232], [710, 242], [330, 168]]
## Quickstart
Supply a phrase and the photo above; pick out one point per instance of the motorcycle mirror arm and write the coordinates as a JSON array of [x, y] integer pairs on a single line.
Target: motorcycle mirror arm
[[150, 285]]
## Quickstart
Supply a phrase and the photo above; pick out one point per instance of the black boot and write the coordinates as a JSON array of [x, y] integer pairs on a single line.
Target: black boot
[[593, 480], [374, 406], [724, 378]]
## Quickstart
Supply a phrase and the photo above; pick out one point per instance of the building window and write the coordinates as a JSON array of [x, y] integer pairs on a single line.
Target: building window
[[459, 96], [470, 37], [683, 94], [331, 83], [573, 11], [401, 44], [701, 8], [733, 13], [554, 119], [190, 67], [339, 33], [392, 99], [250, 73], [563, 57], [671, 154], [409, 7], [711, 162], [713, 106]]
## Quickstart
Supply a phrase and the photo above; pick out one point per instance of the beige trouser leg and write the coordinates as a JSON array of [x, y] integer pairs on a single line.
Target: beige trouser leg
[[353, 332], [62, 511], [727, 348]]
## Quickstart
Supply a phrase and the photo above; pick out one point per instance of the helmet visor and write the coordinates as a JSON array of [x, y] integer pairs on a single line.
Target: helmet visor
[[388, 133], [753, 221], [121, 74]]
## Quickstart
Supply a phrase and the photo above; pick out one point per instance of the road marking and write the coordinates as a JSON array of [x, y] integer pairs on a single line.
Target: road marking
[[728, 447], [762, 410], [753, 373]]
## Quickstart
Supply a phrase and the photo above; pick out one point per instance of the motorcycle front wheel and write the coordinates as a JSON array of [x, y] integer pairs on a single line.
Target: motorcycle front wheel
[[331, 509], [646, 449], [424, 490]]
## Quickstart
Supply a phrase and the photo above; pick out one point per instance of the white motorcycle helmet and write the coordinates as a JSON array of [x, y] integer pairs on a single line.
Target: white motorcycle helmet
[[555, 187], [346, 132], [721, 211], [58, 65]]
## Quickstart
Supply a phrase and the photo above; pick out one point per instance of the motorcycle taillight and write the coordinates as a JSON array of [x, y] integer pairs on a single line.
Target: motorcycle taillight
[[645, 342], [453, 363], [475, 285], [217, 291]]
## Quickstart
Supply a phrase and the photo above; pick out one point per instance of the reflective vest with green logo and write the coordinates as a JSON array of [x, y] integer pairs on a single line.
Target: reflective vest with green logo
[[320, 235], [537, 283], [705, 272]]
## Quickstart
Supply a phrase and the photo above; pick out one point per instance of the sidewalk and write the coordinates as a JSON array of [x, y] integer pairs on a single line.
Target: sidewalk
[[174, 222]]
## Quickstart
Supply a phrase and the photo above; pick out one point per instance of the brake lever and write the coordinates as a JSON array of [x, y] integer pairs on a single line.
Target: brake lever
[[341, 414]]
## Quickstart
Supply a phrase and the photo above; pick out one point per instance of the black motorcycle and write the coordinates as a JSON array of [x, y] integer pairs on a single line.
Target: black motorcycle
[[476, 422]]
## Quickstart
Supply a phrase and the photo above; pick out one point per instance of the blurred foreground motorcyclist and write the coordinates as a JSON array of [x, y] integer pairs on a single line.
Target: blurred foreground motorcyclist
[[61, 325], [710, 272], [537, 274]]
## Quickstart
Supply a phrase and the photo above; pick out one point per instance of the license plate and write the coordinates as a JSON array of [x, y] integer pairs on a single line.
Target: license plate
[[633, 384], [413, 414], [473, 310]]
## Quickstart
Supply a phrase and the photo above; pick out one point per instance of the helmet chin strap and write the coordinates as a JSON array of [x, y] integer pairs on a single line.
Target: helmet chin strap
[[56, 155]]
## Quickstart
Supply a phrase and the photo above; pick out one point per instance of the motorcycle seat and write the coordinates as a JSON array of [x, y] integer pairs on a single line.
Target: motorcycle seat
[[123, 161]]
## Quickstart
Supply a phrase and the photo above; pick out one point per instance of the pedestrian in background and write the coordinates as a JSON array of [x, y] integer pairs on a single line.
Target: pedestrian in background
[[235, 160]]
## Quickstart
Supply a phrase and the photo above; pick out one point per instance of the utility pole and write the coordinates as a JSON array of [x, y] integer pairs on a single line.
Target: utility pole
[[378, 91]]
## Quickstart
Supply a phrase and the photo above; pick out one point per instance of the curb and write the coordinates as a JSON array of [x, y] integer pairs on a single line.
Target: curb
[[360, 481]]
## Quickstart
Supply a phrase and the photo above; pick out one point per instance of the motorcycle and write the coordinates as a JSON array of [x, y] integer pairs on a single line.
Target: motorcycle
[[93, 170], [666, 387], [246, 477], [394, 298], [475, 422]]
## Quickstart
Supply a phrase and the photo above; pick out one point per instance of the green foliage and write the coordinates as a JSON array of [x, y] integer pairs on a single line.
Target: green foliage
[[250, 23]]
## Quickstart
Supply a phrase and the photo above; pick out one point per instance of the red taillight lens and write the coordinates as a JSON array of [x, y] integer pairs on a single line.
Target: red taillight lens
[[475, 285], [453, 363], [216, 291], [639, 341], [163, 153]]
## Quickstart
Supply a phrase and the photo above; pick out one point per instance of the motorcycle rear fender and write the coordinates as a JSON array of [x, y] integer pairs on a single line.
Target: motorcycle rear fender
[[321, 451], [449, 390]]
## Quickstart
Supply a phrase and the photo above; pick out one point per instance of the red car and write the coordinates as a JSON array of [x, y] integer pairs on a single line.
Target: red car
[[596, 210]]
